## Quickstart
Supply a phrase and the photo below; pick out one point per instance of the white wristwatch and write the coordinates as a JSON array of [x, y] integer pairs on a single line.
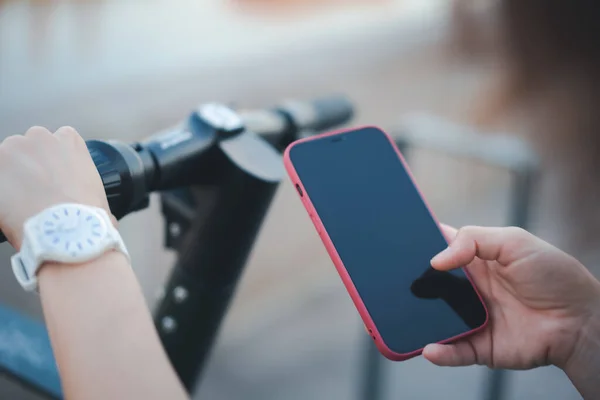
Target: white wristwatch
[[65, 233]]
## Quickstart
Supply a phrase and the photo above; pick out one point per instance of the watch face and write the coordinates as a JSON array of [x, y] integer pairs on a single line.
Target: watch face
[[72, 230]]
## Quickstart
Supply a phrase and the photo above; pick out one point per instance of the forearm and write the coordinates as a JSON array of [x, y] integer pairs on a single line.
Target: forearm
[[102, 333], [583, 368]]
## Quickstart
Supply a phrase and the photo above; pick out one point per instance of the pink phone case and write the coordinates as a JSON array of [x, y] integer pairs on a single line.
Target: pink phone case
[[339, 265]]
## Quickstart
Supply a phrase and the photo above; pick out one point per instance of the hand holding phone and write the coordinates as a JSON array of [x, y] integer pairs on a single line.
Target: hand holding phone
[[544, 305], [381, 236]]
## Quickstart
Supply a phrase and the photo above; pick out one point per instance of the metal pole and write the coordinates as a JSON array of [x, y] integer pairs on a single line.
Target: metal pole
[[519, 215], [211, 260], [372, 384]]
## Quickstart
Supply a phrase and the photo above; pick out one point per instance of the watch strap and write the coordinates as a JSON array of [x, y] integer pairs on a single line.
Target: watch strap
[[24, 267]]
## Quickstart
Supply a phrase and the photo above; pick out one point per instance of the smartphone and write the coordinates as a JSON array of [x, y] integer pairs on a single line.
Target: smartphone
[[381, 236]]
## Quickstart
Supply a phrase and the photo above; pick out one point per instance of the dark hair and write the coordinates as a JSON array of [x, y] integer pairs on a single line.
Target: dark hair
[[544, 40], [548, 53], [551, 52]]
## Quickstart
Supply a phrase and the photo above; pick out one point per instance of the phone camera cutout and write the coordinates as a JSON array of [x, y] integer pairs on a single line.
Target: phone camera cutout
[[299, 189], [338, 138]]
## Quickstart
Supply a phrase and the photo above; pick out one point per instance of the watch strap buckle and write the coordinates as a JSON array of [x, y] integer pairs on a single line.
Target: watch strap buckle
[[27, 280]]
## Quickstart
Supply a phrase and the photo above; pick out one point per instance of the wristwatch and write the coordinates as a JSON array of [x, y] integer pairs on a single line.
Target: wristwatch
[[66, 233]]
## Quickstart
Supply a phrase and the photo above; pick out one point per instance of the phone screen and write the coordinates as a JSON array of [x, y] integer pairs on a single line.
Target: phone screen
[[386, 237]]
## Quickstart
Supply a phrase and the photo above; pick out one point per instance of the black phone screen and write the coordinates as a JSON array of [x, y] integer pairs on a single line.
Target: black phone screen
[[386, 237]]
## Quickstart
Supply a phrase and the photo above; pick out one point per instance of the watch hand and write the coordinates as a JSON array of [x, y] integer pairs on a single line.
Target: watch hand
[[68, 226]]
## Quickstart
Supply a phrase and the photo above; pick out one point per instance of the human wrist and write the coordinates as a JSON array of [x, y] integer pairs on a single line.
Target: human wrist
[[583, 364], [52, 269], [113, 219]]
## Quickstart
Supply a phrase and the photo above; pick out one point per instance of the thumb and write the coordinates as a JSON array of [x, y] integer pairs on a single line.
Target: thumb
[[458, 354], [504, 245]]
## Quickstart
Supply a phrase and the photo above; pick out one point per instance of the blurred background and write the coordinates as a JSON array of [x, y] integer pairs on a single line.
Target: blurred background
[[125, 69]]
